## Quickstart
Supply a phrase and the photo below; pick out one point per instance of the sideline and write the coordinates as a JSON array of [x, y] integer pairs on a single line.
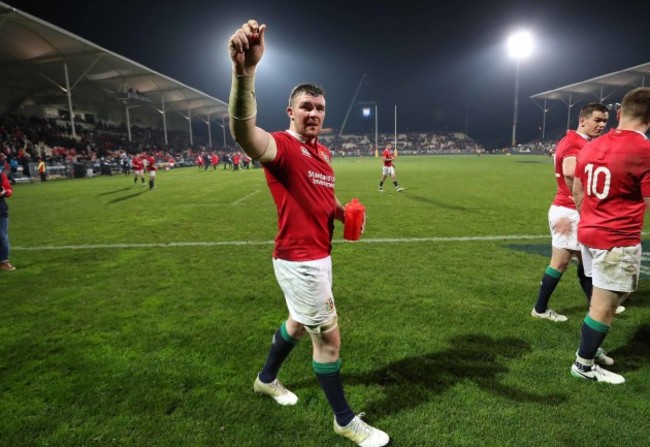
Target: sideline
[[237, 202], [407, 240]]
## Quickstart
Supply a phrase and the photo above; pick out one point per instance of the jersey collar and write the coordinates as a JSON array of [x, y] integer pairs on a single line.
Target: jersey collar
[[301, 138]]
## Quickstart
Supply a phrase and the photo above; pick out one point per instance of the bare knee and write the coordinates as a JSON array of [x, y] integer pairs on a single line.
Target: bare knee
[[560, 259], [295, 329], [326, 346]]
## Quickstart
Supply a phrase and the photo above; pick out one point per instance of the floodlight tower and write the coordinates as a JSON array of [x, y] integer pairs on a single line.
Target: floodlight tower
[[366, 111], [520, 46]]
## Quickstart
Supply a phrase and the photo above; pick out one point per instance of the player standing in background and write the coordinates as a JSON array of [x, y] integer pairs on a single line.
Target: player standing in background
[[138, 169], [214, 161], [612, 192], [301, 180], [388, 169], [150, 163], [5, 192], [236, 159], [562, 215]]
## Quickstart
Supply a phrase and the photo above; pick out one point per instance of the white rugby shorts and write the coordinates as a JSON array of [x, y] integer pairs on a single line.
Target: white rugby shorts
[[152, 173], [307, 287], [567, 241], [616, 269], [388, 170], [139, 172]]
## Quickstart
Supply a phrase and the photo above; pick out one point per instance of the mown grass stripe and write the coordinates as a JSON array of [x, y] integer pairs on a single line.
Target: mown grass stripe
[[237, 243]]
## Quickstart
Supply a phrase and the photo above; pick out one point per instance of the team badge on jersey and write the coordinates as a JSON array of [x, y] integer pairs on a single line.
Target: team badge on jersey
[[324, 156]]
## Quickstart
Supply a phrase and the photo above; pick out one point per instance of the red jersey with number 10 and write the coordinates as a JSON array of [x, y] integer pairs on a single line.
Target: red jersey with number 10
[[615, 174], [301, 180], [567, 147]]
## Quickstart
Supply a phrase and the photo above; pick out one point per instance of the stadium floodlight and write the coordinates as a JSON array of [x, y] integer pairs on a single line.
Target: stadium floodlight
[[520, 45], [367, 111]]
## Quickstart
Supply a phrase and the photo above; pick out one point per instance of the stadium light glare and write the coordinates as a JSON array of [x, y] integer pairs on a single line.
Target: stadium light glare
[[520, 46], [367, 111]]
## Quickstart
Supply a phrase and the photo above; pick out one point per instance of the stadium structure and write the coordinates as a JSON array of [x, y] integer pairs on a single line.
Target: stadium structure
[[606, 89], [49, 72]]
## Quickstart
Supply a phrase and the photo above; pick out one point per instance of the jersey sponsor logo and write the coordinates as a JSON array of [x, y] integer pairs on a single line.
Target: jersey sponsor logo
[[318, 178], [304, 151]]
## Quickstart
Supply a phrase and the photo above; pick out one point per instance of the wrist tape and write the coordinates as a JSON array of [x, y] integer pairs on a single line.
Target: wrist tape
[[242, 104]]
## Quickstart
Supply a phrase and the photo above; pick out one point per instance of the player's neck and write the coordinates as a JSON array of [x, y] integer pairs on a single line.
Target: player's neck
[[633, 124]]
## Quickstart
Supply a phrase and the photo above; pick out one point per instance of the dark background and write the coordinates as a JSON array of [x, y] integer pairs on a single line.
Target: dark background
[[444, 65]]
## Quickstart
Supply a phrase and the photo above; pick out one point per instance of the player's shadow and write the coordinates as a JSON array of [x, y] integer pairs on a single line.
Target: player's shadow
[[636, 352], [130, 196], [477, 358], [434, 202], [114, 191]]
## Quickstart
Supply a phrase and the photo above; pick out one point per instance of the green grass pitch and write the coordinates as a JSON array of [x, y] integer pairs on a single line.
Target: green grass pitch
[[140, 318]]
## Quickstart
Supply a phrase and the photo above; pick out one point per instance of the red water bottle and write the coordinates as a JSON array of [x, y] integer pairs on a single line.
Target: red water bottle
[[355, 213]]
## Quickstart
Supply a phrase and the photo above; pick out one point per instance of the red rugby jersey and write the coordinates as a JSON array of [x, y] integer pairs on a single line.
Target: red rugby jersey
[[615, 174], [301, 180], [567, 147], [387, 154]]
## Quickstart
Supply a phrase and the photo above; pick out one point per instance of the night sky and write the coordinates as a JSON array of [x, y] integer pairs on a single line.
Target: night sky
[[445, 65]]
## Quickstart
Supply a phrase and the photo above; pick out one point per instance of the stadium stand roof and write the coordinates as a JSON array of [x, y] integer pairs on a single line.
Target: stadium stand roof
[[609, 88], [42, 63]]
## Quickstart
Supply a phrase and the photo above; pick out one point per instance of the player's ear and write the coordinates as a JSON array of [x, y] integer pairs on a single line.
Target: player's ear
[[290, 113]]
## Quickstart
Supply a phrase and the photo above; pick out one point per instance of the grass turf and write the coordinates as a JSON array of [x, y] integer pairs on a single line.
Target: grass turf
[[140, 318]]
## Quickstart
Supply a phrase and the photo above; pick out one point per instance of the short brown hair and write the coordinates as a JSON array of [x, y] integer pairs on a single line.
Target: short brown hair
[[592, 107], [636, 104], [309, 89]]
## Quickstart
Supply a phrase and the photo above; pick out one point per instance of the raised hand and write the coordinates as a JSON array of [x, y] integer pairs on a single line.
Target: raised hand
[[247, 47]]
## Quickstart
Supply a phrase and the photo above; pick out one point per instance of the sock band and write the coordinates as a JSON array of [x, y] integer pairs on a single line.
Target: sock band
[[285, 335], [327, 368], [550, 271], [596, 325]]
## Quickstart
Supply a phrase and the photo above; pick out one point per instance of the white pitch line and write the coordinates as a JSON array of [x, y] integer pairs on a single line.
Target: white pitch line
[[238, 243], [237, 202]]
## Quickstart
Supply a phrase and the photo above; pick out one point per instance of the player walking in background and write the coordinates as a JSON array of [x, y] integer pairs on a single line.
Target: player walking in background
[[301, 180], [42, 170], [612, 192], [562, 215], [388, 169], [150, 164], [138, 169]]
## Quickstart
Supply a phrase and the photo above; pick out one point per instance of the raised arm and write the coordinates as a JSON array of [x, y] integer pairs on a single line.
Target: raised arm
[[246, 48]]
